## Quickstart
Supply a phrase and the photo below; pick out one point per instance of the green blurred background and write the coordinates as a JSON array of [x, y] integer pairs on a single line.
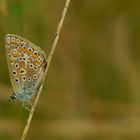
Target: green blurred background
[[92, 89]]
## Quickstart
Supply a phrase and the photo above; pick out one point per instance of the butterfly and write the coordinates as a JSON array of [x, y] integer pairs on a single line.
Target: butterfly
[[27, 64]]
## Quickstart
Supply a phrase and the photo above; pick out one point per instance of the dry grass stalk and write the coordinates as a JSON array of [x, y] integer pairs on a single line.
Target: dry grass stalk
[[60, 24]]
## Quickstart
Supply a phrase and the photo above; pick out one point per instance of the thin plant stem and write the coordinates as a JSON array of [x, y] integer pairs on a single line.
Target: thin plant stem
[[60, 24]]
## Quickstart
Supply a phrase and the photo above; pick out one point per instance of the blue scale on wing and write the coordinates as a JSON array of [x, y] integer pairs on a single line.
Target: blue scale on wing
[[33, 77]]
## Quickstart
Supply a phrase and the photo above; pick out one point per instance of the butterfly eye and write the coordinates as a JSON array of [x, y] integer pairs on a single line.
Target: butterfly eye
[[13, 40], [17, 80]]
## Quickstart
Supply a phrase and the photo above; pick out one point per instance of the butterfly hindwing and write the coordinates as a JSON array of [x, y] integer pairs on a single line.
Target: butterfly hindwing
[[26, 63]]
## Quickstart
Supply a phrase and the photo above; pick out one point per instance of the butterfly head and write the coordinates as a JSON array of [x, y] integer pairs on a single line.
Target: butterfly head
[[13, 97]]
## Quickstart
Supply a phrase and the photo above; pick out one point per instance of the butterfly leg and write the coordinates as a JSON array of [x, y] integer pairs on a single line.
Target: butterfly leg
[[27, 105]]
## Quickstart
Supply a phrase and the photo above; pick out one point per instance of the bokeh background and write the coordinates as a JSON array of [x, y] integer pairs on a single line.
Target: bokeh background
[[92, 89]]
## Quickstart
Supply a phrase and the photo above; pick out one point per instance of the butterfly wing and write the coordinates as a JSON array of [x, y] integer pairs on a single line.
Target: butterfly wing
[[27, 64]]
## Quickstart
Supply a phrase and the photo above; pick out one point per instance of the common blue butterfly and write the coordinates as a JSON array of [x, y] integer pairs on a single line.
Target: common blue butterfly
[[26, 64]]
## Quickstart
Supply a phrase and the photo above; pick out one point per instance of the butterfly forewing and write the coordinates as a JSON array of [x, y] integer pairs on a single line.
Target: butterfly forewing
[[26, 63]]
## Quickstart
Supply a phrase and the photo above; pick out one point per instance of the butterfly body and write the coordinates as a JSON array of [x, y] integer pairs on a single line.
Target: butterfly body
[[27, 64]]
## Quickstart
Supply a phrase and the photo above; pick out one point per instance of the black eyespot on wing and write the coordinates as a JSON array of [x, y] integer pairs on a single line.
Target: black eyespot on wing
[[29, 79], [16, 80], [35, 76], [25, 47], [30, 49], [31, 65], [20, 58], [24, 78], [14, 73], [22, 71], [28, 62], [15, 51], [35, 68], [16, 65]]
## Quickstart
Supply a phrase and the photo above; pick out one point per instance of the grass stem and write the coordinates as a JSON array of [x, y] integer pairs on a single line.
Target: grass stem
[[60, 24]]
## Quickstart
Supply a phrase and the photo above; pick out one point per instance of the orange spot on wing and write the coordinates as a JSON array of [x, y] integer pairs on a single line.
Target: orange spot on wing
[[19, 62], [15, 54], [35, 56], [19, 49], [24, 49], [29, 52], [39, 62]]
